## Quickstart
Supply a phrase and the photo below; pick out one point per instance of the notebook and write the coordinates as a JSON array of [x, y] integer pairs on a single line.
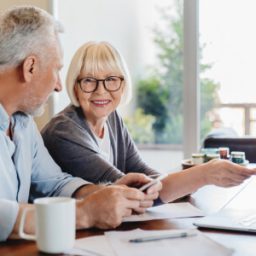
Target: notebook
[[238, 214]]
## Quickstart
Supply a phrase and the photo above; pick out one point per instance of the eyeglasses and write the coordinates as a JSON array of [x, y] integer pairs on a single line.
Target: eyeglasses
[[90, 84]]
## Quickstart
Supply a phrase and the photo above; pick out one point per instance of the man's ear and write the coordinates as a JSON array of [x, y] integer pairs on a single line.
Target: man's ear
[[29, 67]]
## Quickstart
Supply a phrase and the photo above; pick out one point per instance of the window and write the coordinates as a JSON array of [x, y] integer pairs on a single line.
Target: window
[[227, 34]]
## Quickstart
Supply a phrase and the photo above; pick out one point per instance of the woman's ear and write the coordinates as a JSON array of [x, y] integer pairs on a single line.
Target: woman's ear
[[29, 67]]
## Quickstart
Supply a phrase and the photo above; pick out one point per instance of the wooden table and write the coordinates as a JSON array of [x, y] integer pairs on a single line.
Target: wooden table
[[210, 199]]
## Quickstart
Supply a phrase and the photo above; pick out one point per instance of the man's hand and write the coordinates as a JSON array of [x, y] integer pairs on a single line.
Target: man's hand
[[133, 180], [137, 180], [106, 207]]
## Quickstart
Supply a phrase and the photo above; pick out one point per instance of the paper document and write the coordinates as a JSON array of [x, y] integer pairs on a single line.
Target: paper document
[[193, 245], [117, 243], [166, 211], [82, 252], [93, 246]]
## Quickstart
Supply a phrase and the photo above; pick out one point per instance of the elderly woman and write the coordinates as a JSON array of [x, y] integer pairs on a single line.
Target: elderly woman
[[89, 138]]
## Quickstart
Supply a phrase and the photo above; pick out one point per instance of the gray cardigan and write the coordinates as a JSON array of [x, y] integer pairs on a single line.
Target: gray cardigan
[[74, 147]]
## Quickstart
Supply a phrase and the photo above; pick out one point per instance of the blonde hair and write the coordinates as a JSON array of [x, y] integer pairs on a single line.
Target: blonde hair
[[93, 57]]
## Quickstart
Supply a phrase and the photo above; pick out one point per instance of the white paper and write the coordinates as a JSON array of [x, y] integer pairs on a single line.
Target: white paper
[[93, 246], [166, 211], [81, 252], [193, 246]]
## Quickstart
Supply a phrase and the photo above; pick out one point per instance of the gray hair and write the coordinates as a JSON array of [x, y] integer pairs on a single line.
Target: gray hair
[[25, 30], [93, 57]]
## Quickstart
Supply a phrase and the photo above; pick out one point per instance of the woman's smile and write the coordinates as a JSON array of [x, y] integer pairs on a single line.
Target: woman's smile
[[100, 102]]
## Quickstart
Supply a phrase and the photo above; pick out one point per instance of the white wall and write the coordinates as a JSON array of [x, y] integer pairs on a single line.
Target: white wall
[[4, 4]]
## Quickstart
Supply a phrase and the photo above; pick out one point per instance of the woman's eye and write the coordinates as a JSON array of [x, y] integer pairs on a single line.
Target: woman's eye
[[88, 80], [111, 78]]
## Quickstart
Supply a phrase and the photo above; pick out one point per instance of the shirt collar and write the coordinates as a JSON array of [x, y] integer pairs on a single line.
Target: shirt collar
[[5, 119]]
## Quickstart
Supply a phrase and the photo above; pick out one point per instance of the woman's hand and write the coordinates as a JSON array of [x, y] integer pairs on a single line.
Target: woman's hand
[[224, 173], [138, 180], [151, 194], [135, 180]]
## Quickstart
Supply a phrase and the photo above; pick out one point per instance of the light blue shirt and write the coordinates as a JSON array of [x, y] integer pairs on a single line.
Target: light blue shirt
[[27, 170]]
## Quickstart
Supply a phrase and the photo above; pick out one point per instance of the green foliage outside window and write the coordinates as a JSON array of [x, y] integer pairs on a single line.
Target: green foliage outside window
[[160, 95], [140, 126]]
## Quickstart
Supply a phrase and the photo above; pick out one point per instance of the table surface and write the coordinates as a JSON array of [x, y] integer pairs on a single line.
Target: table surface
[[210, 199]]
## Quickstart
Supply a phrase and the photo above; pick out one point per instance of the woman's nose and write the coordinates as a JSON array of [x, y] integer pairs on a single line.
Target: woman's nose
[[101, 88]]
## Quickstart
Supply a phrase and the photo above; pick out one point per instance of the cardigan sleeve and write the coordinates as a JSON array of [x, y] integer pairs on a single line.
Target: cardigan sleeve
[[74, 150], [133, 160]]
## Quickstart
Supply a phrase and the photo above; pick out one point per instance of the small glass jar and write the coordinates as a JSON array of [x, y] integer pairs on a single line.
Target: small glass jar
[[210, 157], [198, 158], [224, 152], [238, 157]]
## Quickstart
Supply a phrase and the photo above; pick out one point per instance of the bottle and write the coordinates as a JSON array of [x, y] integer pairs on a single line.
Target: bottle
[[224, 152]]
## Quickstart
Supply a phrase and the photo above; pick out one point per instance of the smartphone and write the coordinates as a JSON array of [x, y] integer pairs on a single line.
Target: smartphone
[[152, 182]]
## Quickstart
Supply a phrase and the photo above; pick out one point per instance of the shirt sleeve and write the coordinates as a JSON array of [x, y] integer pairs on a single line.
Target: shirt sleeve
[[47, 177], [9, 211]]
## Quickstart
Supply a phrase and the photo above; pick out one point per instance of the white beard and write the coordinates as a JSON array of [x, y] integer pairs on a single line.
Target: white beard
[[38, 111], [31, 107]]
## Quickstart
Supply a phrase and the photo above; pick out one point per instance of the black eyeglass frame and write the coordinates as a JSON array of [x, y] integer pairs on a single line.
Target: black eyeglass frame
[[97, 83]]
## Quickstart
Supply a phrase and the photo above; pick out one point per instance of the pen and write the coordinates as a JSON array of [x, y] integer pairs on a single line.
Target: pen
[[154, 175], [157, 175], [152, 182], [160, 237]]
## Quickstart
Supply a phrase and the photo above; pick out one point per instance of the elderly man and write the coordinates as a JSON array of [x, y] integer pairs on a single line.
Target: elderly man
[[30, 60]]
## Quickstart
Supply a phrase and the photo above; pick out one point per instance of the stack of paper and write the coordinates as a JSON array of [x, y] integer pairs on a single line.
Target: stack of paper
[[178, 242], [118, 243], [166, 211], [194, 245]]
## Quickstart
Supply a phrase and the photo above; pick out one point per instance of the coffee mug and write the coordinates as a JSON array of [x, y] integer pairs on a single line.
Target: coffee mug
[[55, 224]]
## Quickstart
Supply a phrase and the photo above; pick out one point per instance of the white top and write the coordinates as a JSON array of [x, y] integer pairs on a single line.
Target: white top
[[105, 145]]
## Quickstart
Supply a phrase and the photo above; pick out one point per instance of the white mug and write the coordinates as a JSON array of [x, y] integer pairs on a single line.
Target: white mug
[[55, 224]]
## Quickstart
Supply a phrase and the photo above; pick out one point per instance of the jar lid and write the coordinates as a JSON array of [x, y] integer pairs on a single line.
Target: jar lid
[[197, 155], [223, 148], [237, 153], [213, 156]]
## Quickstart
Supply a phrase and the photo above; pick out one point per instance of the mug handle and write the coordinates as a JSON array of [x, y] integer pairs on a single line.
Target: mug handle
[[22, 234]]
